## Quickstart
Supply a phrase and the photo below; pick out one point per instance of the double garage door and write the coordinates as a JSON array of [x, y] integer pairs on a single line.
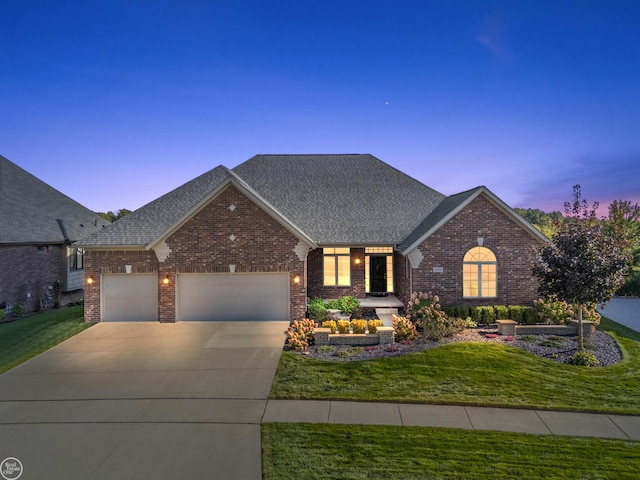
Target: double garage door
[[199, 297]]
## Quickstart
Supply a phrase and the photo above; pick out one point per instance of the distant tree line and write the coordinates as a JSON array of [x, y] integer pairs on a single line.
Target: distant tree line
[[112, 217]]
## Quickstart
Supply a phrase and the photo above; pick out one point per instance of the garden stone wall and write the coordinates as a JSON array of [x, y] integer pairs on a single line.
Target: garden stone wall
[[323, 336]]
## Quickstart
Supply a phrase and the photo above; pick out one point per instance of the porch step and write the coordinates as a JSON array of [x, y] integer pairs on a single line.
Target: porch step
[[385, 314]]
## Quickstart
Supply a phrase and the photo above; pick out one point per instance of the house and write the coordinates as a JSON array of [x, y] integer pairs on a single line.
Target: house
[[38, 265], [257, 241]]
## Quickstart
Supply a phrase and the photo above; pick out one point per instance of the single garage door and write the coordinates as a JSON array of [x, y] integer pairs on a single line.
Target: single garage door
[[130, 298], [233, 296]]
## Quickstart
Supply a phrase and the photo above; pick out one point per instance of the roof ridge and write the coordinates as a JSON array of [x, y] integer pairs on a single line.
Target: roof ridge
[[310, 155]]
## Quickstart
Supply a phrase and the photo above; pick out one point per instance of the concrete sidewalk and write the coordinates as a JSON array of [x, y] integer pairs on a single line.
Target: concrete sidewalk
[[537, 422]]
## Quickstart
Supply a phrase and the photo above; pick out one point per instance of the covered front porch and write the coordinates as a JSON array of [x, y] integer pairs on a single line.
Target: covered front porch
[[374, 301], [386, 301]]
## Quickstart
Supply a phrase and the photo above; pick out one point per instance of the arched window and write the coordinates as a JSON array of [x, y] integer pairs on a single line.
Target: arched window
[[479, 273]]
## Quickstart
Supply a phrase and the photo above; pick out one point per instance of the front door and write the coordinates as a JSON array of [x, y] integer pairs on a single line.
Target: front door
[[378, 274]]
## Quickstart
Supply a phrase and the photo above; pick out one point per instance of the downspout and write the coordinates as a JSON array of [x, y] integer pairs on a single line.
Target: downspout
[[64, 276]]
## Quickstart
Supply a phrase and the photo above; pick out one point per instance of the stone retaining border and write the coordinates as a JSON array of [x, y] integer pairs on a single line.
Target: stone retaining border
[[384, 336], [511, 328]]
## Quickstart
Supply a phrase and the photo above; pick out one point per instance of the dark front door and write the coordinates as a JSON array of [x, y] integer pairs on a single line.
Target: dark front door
[[378, 274]]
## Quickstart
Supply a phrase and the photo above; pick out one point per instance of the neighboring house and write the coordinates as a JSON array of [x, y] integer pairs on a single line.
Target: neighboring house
[[256, 242], [38, 224]]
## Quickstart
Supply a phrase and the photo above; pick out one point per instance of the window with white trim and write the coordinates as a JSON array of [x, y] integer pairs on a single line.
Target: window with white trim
[[337, 267], [479, 273]]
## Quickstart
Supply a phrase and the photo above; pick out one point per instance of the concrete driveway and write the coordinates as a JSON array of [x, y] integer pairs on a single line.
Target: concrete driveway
[[143, 400], [624, 310]]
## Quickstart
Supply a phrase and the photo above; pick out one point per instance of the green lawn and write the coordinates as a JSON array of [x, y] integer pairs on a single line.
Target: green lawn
[[472, 374], [27, 337], [305, 451]]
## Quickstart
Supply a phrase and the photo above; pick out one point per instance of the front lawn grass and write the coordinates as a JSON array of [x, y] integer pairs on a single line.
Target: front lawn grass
[[306, 451], [487, 374], [27, 337]]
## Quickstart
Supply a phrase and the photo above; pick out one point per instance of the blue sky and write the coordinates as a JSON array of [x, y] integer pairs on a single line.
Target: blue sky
[[115, 103]]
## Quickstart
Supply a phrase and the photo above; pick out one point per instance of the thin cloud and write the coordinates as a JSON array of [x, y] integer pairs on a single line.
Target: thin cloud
[[492, 36]]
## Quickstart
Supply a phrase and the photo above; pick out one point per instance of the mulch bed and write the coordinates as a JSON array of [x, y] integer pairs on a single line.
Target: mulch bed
[[553, 347]]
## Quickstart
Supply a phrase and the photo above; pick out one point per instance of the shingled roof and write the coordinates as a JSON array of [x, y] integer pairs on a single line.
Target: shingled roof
[[450, 207], [32, 212], [350, 199], [154, 219], [327, 199]]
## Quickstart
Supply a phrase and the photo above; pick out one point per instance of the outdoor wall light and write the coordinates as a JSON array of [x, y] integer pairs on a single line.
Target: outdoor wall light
[[89, 280], [165, 280], [357, 261], [296, 279]]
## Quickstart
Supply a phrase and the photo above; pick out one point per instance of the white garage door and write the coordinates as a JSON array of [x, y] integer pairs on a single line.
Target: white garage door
[[233, 296], [130, 298]]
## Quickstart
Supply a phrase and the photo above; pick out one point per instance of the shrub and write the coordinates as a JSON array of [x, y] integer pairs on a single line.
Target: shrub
[[487, 315], [300, 334], [1, 314], [586, 359], [631, 285], [404, 329], [359, 326], [462, 312], [502, 312], [552, 311], [515, 313], [317, 310], [425, 310], [333, 305], [343, 326], [529, 316], [436, 330], [450, 311], [18, 309], [350, 306], [372, 325], [590, 314], [466, 322], [326, 349], [330, 324], [476, 314], [349, 352]]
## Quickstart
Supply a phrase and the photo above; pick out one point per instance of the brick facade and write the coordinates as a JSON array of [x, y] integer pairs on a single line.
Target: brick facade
[[98, 262], [233, 230], [315, 274], [512, 245], [28, 274], [214, 238]]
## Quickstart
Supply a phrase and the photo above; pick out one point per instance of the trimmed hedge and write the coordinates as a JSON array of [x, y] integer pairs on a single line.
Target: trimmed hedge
[[486, 315]]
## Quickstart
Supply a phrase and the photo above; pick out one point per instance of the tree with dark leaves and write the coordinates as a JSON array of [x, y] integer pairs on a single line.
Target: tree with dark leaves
[[585, 262]]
